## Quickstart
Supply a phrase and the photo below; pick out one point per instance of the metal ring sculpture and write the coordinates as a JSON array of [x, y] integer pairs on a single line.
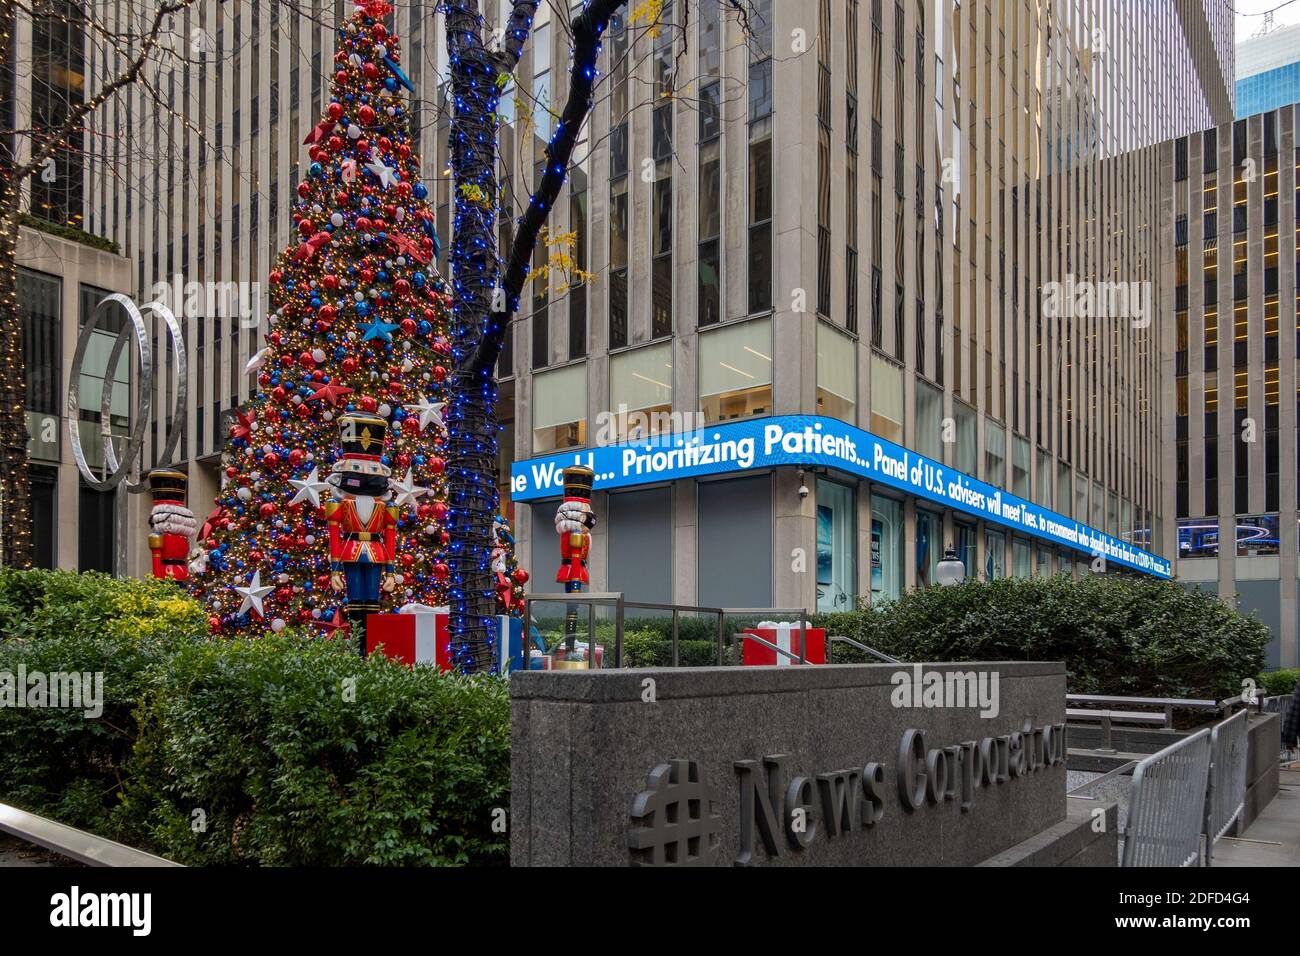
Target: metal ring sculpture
[[144, 391]]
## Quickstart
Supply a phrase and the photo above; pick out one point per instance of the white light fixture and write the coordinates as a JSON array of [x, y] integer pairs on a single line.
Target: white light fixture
[[950, 570]]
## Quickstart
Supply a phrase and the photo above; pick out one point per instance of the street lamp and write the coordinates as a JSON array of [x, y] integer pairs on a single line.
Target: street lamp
[[950, 570]]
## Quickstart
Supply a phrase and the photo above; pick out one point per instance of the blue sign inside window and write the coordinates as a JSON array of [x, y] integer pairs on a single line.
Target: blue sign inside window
[[808, 441]]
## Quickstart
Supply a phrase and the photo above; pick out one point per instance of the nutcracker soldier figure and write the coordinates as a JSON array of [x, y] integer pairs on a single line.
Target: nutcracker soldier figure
[[573, 523], [363, 525], [171, 524]]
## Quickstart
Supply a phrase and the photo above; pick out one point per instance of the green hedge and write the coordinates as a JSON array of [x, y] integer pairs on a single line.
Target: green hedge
[[270, 751], [1278, 683], [1117, 635]]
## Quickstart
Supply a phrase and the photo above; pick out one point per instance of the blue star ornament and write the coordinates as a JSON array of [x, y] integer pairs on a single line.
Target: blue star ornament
[[397, 72], [378, 329]]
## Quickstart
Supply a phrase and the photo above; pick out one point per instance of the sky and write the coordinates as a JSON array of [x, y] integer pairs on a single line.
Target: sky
[[1248, 26]]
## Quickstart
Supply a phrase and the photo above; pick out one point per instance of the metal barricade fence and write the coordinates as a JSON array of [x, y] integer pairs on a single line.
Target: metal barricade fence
[[1227, 785], [1167, 804]]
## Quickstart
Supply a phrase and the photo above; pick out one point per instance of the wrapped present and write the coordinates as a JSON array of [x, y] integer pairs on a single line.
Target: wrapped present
[[419, 634], [537, 661], [416, 634], [510, 644], [784, 635]]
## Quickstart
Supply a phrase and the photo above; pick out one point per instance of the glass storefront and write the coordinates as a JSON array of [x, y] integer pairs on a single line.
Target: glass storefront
[[836, 537], [929, 547], [995, 555], [886, 548]]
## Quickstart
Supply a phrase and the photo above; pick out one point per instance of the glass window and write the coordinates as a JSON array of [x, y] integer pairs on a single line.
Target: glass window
[[1044, 567], [1098, 503], [560, 408], [995, 555], [1257, 535], [965, 545], [640, 393], [929, 547], [886, 399], [1063, 496], [837, 373], [1044, 479], [886, 548], [967, 442], [1198, 538], [1020, 557], [929, 420], [1080, 498], [1020, 466], [995, 455], [836, 546], [736, 370]]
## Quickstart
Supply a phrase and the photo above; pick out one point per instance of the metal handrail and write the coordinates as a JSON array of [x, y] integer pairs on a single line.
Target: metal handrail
[[878, 655], [72, 843], [763, 642]]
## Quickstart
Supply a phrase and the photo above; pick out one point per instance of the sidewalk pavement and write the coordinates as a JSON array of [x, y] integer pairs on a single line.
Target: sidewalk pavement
[[1274, 838]]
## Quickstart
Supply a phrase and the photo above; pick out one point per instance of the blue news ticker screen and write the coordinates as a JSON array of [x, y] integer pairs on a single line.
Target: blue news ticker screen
[[808, 441]]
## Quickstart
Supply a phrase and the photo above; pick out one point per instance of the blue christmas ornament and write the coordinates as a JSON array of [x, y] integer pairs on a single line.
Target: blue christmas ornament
[[316, 169]]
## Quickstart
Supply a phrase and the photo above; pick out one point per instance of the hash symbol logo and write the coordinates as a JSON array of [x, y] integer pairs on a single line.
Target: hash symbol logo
[[679, 823]]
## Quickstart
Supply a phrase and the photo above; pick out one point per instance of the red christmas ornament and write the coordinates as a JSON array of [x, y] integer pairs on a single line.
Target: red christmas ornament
[[368, 403], [370, 70], [439, 373], [334, 111], [366, 114], [437, 465], [520, 576], [440, 571]]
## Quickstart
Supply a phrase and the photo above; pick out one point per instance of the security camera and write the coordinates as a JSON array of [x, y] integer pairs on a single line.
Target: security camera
[[803, 491]]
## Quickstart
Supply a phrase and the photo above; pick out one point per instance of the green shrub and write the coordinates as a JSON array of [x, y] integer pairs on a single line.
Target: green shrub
[[1117, 635], [650, 649], [275, 751], [357, 761], [1278, 683]]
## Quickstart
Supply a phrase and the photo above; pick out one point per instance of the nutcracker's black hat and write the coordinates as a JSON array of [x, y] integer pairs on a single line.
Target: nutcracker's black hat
[[578, 481], [168, 485]]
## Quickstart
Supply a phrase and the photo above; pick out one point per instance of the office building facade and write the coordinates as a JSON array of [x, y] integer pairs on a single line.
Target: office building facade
[[1230, 218], [1268, 71], [845, 223]]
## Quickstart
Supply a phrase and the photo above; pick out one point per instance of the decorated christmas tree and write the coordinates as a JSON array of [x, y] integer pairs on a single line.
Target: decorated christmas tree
[[357, 338]]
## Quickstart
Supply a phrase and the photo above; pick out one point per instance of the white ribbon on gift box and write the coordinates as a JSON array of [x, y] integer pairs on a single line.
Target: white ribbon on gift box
[[784, 639]]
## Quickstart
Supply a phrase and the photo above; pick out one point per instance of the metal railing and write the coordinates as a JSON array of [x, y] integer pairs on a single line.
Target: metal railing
[[616, 600], [1226, 792], [871, 651], [77, 845], [1167, 804]]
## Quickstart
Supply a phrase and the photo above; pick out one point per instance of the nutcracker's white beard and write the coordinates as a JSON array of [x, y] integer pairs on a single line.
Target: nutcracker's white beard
[[498, 561], [173, 519], [569, 519]]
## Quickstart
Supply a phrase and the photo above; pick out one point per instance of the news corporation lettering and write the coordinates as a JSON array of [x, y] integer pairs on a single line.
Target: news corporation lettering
[[809, 441]]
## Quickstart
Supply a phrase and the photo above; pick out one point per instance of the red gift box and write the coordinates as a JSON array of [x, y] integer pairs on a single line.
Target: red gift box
[[418, 637], [786, 637]]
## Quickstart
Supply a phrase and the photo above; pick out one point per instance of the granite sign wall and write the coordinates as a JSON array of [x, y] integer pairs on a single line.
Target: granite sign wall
[[780, 765]]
